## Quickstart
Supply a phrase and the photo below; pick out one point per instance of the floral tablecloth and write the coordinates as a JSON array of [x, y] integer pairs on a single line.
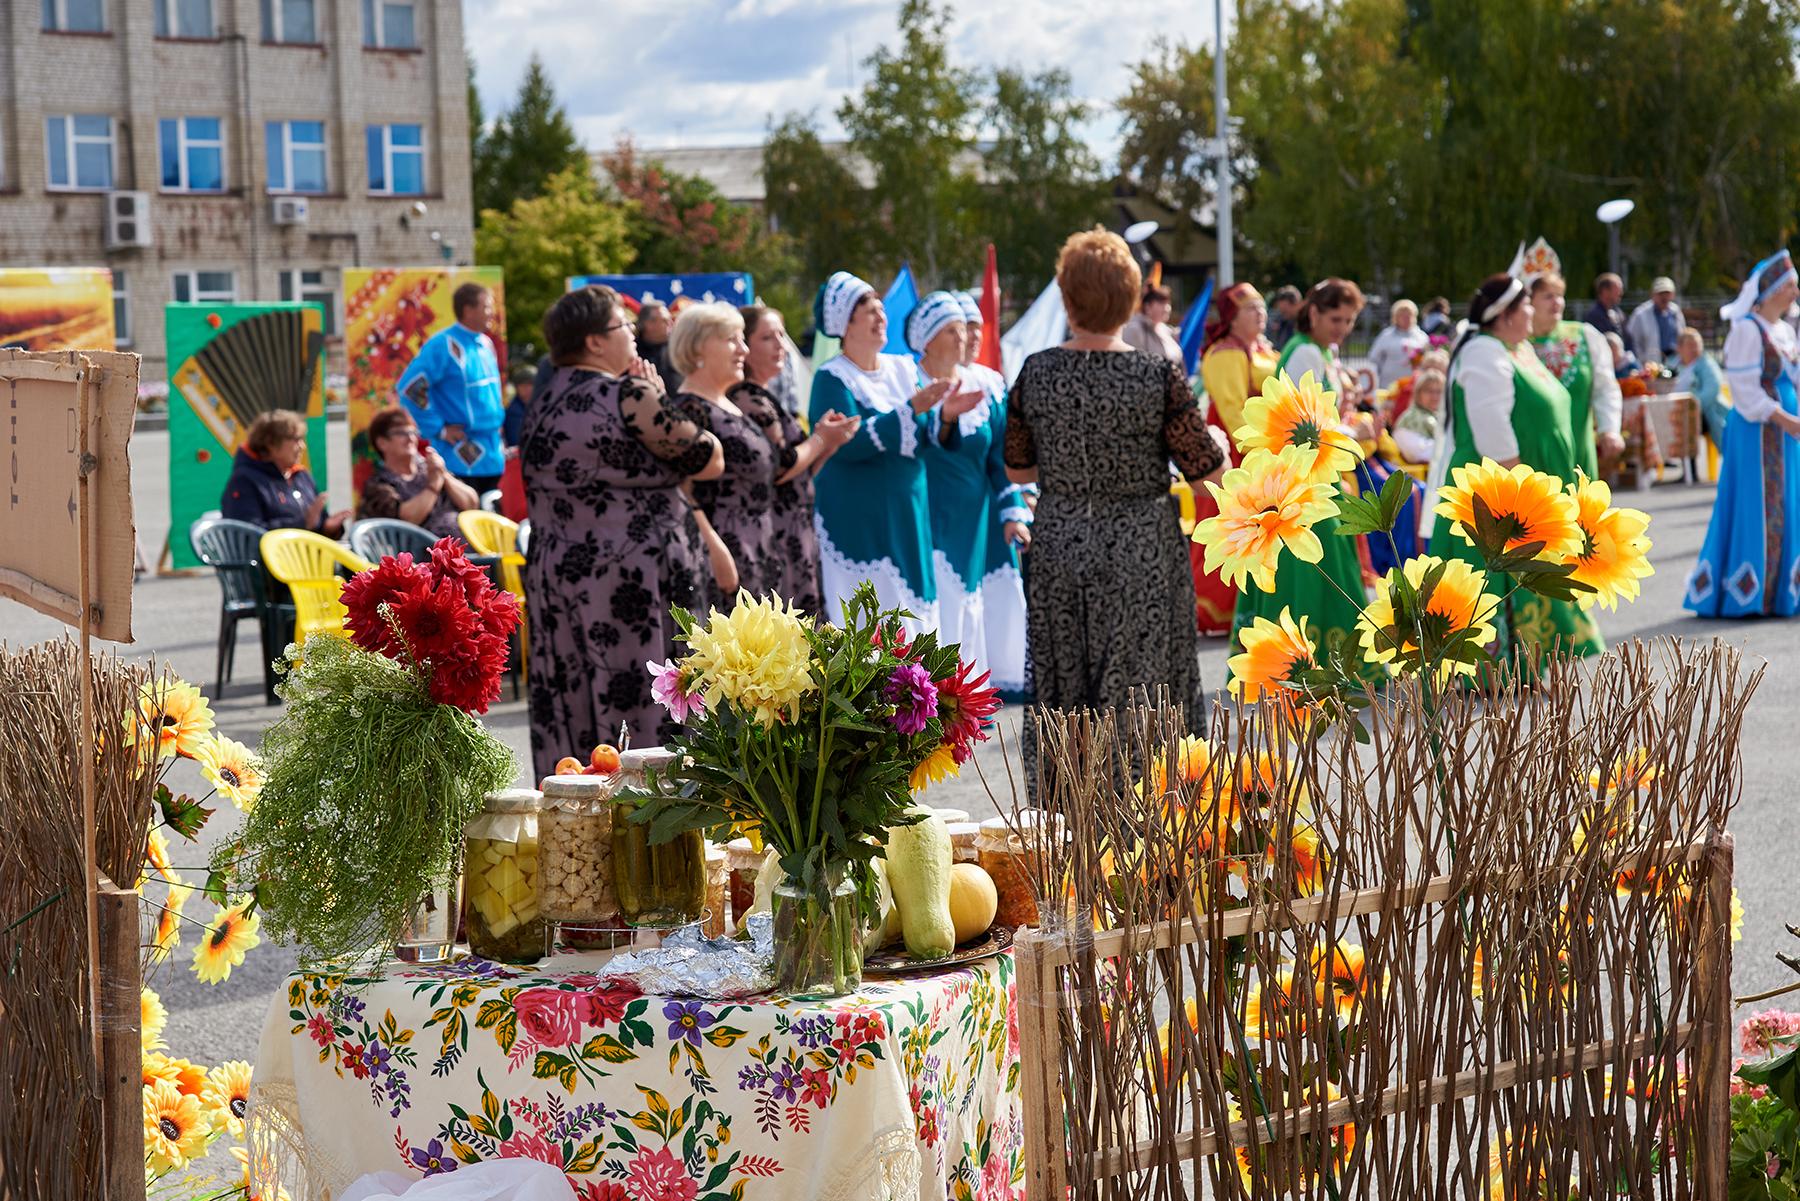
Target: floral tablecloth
[[909, 1088]]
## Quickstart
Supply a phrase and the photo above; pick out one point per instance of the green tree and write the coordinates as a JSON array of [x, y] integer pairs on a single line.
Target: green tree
[[568, 229], [1166, 116], [1042, 181], [526, 145], [481, 148], [813, 197]]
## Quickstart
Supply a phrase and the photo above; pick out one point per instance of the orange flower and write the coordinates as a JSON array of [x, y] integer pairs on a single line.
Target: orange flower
[[1270, 1012], [1272, 649], [1267, 504], [1614, 554], [188, 1078], [1529, 506], [1340, 979], [1303, 416], [1311, 860]]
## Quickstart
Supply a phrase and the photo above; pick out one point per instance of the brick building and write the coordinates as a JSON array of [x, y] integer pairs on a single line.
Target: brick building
[[269, 145]]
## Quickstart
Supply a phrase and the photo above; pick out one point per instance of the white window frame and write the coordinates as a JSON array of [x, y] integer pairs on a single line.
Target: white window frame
[[375, 27], [387, 160], [59, 10], [287, 187], [195, 294], [273, 30], [324, 293], [71, 140], [121, 294], [183, 143], [167, 12]]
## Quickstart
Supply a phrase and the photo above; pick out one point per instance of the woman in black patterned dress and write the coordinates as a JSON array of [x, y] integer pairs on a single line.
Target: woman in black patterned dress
[[1093, 422], [614, 540]]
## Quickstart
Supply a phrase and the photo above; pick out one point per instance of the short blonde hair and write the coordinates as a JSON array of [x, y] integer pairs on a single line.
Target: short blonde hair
[[698, 324], [1100, 281], [1430, 375], [1690, 334], [1404, 306]]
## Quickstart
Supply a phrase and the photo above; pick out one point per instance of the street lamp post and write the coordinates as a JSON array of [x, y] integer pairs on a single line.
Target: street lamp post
[[1222, 164], [1610, 214]]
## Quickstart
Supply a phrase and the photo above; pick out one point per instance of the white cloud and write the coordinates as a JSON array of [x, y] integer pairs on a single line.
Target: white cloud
[[716, 72]]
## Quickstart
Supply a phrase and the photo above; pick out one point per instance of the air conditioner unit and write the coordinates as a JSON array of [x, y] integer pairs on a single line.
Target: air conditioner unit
[[127, 220], [288, 210]]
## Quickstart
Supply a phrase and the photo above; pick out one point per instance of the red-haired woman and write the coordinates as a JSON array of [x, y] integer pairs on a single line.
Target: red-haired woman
[[1234, 361]]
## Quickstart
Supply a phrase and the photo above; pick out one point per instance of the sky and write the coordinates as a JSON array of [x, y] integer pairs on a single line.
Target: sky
[[688, 73]]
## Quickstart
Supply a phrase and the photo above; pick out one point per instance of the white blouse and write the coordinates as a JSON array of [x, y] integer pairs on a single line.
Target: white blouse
[[1744, 361]]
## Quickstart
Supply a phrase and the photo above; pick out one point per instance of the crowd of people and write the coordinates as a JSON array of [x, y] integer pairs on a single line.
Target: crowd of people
[[667, 462]]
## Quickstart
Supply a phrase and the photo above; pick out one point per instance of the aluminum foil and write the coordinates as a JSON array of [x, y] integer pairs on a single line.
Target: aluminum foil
[[689, 964]]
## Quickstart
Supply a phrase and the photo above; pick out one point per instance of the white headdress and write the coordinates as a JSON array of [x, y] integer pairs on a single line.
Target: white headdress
[[1762, 281]]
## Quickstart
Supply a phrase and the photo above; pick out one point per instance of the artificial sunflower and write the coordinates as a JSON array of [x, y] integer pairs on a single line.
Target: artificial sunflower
[[156, 855], [173, 717], [227, 1096], [227, 940], [1267, 504], [1193, 766], [1737, 917], [1269, 1012], [1614, 554], [1304, 416], [1311, 859], [1456, 603], [168, 922], [1632, 773], [247, 1182], [938, 765], [189, 1078], [1341, 979], [1529, 506], [153, 1018], [175, 1128], [1272, 650], [231, 768]]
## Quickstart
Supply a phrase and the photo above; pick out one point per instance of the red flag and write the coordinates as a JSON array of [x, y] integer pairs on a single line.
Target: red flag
[[988, 353]]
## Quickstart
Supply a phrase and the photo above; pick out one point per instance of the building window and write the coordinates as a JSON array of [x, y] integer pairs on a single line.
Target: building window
[[290, 21], [389, 25], [79, 150], [205, 287], [75, 16], [121, 310], [193, 154], [184, 19], [312, 287], [397, 160], [296, 156]]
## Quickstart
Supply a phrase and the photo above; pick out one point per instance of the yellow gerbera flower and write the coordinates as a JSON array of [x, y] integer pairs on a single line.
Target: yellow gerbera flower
[[1631, 773], [1341, 979], [1457, 603], [175, 1128], [1529, 505], [156, 855], [1737, 917], [233, 769], [1268, 503], [1272, 649], [189, 1078], [938, 765], [1304, 416], [227, 1096], [168, 922], [153, 1018], [1614, 554], [172, 716], [227, 940], [757, 656]]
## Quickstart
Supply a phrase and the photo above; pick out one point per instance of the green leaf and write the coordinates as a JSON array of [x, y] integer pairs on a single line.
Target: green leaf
[[1394, 495], [215, 888], [549, 1065], [1780, 1075], [607, 1048], [183, 814]]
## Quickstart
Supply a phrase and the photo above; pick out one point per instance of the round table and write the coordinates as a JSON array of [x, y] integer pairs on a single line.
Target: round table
[[909, 1088]]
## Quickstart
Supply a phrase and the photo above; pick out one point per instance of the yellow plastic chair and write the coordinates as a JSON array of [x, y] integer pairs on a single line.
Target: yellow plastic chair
[[491, 534], [1184, 497], [307, 563]]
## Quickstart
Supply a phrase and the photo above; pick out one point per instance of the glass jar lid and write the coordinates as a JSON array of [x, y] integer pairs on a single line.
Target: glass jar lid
[[513, 800], [635, 762], [577, 790]]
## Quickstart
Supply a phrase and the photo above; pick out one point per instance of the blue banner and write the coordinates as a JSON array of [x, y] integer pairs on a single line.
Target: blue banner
[[1193, 328], [676, 291], [901, 299]]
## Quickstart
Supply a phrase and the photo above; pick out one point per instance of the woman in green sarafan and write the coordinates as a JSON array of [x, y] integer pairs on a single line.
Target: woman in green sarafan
[[1505, 405], [1329, 594], [1577, 354]]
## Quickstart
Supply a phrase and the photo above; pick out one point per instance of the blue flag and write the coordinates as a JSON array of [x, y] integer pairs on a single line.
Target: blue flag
[[901, 299], [1193, 328]]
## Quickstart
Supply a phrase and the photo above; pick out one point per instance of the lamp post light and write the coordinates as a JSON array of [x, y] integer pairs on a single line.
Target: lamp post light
[[1610, 214]]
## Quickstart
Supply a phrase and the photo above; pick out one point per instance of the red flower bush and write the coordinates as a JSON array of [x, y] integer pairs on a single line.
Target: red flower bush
[[966, 706], [444, 617]]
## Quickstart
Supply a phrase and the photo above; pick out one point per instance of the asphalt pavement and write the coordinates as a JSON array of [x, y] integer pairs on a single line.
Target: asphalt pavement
[[175, 621]]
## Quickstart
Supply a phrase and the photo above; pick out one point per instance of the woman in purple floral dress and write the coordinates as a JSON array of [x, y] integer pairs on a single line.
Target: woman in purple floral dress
[[614, 540]]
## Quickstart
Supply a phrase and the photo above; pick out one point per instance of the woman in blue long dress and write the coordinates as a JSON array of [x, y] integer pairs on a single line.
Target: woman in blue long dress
[[978, 516], [870, 503], [1750, 562]]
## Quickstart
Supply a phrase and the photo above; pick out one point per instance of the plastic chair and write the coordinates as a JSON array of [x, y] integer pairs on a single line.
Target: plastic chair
[[307, 563], [490, 500], [231, 549], [494, 535], [525, 539], [378, 537]]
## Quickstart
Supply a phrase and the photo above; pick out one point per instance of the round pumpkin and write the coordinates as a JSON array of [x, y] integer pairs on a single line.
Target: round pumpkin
[[973, 901]]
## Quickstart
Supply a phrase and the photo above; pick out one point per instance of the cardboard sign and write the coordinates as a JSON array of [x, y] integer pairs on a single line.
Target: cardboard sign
[[43, 396]]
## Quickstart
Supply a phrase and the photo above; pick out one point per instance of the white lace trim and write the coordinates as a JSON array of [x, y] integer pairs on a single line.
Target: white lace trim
[[989, 622], [840, 575], [891, 1171], [281, 1159], [883, 390]]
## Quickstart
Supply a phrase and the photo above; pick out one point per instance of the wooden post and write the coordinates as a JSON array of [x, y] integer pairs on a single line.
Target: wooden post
[[84, 518], [121, 1057], [1710, 1052], [1039, 1001]]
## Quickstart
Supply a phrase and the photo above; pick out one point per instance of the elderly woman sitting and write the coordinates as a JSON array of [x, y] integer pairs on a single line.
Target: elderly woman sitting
[[269, 488], [1699, 374], [412, 483]]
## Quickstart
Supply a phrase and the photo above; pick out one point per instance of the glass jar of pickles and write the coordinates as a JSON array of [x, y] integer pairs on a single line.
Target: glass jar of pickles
[[660, 886], [500, 879], [575, 859], [1002, 855]]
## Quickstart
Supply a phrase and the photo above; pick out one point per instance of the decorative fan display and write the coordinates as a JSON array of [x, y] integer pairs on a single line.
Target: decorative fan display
[[266, 361]]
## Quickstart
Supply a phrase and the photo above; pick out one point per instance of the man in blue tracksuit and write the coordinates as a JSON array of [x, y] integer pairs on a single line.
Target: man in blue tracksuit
[[452, 389]]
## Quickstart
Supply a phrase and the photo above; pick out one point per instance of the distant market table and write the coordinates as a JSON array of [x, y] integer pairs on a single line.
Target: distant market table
[[907, 1089]]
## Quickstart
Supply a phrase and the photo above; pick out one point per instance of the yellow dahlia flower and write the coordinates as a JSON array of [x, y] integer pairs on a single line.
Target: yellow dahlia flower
[[757, 656], [171, 716], [175, 1128], [227, 940], [1614, 554], [1272, 649], [1529, 505], [1302, 415], [1268, 503], [940, 764], [1456, 604]]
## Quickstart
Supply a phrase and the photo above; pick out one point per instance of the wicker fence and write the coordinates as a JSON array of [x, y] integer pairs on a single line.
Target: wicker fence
[[1485, 954]]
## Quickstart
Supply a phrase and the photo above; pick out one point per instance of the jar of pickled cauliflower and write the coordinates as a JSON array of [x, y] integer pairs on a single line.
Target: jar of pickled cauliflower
[[575, 859]]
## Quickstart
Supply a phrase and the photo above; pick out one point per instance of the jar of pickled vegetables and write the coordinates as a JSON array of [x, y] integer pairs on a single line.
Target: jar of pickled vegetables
[[660, 886], [963, 836], [575, 858], [718, 876], [1002, 855], [743, 861], [500, 879]]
